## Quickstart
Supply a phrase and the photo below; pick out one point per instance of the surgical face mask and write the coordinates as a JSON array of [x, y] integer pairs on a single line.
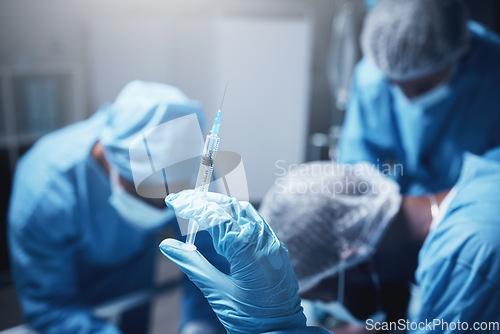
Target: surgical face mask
[[133, 210], [337, 310], [432, 97]]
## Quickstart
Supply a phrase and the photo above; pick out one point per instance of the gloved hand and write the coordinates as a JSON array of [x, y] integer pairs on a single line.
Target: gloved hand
[[261, 293]]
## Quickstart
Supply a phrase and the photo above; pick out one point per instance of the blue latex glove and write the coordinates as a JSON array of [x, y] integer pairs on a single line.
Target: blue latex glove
[[261, 293]]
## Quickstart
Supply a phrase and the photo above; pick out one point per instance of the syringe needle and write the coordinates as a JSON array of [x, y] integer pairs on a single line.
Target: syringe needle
[[223, 96]]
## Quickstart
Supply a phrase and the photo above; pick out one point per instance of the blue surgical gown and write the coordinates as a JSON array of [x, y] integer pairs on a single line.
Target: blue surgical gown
[[422, 147], [69, 248], [459, 264]]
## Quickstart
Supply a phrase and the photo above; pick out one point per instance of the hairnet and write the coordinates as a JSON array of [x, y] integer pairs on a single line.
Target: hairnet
[[139, 107], [330, 216], [408, 39]]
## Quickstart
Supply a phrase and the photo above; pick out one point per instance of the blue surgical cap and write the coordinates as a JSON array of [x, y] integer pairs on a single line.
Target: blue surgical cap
[[409, 39], [140, 107], [330, 217]]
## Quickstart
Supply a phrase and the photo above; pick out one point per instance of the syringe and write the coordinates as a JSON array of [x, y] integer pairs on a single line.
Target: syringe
[[206, 170]]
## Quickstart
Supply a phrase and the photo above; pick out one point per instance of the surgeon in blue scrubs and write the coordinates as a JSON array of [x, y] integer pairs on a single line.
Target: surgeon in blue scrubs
[[425, 91], [458, 270], [80, 234]]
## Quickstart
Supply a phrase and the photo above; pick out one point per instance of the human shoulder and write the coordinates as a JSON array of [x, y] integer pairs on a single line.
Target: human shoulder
[[466, 238], [46, 200], [62, 148], [46, 176], [458, 270]]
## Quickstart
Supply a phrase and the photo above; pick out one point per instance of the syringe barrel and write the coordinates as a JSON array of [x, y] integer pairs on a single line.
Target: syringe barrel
[[207, 163], [204, 178]]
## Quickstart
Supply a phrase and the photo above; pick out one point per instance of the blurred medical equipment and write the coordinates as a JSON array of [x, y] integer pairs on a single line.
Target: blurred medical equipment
[[404, 48], [334, 209], [343, 54], [206, 170], [261, 291], [337, 309], [344, 50]]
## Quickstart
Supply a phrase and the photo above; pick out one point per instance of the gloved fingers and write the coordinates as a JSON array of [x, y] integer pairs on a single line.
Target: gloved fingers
[[218, 198], [188, 205], [242, 242], [251, 220], [234, 226], [266, 230], [228, 204], [250, 234], [250, 212], [201, 272]]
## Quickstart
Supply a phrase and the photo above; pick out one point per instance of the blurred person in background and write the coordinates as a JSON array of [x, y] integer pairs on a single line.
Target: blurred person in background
[[79, 232], [424, 93]]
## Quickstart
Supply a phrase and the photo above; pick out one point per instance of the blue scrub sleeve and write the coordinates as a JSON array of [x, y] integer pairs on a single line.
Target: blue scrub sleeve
[[452, 292], [42, 250]]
